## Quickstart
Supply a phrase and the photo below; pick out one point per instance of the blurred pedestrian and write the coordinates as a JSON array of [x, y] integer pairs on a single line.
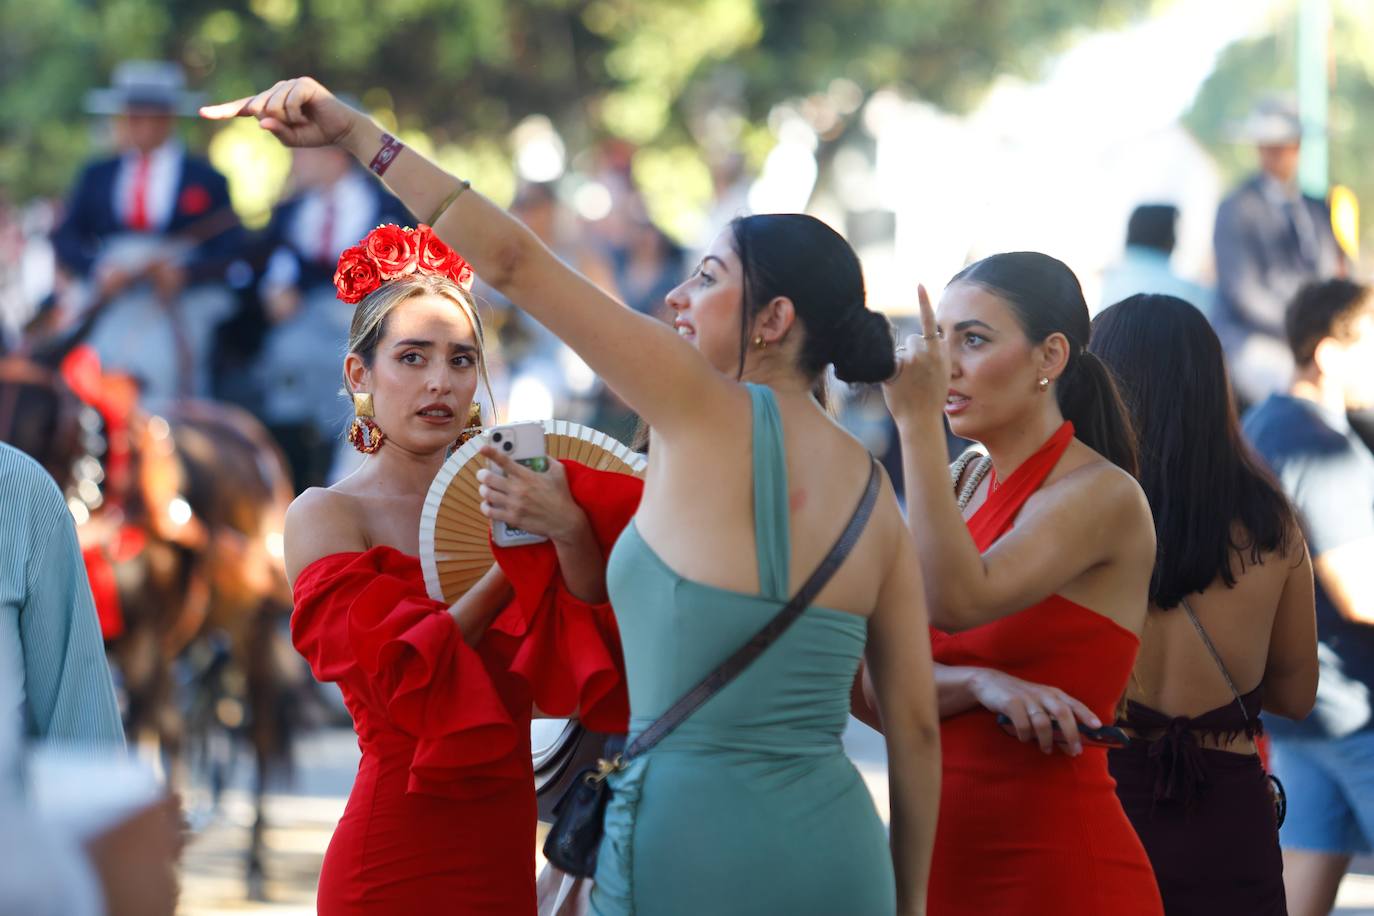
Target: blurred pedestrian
[[48, 626], [648, 266], [149, 232], [1230, 630], [1144, 267], [1326, 762], [1270, 240], [333, 204]]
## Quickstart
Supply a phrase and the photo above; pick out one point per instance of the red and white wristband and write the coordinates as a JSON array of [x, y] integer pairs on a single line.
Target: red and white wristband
[[391, 148]]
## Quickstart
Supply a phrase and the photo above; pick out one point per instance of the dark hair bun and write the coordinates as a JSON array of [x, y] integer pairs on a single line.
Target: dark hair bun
[[862, 348], [801, 258]]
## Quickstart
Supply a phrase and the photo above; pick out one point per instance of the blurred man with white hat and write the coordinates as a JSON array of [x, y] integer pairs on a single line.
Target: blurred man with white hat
[[1270, 240], [150, 232]]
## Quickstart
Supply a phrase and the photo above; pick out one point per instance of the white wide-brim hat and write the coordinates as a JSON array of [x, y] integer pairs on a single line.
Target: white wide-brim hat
[[145, 85], [1273, 122]]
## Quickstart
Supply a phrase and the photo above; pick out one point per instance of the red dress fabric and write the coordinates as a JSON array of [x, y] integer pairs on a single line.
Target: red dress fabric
[[1022, 832], [442, 813]]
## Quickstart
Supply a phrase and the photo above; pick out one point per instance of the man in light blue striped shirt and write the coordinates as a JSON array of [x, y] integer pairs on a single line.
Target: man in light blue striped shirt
[[49, 634]]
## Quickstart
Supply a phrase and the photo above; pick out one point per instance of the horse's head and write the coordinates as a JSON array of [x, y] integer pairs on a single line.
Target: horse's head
[[40, 415]]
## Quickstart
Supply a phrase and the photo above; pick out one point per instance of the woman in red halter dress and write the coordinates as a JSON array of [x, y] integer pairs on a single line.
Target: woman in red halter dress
[[442, 817], [1037, 596]]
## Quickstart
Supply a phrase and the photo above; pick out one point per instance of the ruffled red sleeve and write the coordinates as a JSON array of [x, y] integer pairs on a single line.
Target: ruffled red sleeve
[[364, 621], [568, 650]]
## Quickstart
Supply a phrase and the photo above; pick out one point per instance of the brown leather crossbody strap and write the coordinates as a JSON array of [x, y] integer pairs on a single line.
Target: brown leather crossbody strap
[[733, 666]]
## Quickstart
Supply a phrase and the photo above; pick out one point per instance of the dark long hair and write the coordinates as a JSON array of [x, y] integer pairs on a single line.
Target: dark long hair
[[1046, 299], [1212, 501], [801, 258]]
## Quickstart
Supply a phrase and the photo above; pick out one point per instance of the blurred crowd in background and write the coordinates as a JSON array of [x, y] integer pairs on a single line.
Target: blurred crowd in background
[[922, 173]]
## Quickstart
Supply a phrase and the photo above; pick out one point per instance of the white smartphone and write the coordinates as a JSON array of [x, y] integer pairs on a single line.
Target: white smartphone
[[523, 442]]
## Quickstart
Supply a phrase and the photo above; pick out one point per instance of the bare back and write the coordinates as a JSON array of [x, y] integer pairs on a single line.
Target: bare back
[[1253, 626], [697, 513]]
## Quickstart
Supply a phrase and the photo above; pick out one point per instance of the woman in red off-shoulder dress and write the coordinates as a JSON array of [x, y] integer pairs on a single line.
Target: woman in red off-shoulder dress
[[442, 813]]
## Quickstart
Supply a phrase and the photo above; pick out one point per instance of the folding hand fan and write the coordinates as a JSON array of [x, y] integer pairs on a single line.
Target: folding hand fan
[[454, 551]]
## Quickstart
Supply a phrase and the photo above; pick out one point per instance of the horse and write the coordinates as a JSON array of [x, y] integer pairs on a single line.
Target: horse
[[180, 517]]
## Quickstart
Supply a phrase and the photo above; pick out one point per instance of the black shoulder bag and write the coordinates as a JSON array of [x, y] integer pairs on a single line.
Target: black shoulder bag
[[575, 837]]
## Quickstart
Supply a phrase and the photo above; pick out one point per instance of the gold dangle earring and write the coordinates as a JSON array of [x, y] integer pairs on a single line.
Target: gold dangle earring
[[474, 425], [1043, 384], [759, 342], [364, 435]]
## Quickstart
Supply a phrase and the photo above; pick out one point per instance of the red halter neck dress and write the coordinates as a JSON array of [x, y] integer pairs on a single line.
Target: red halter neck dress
[[1023, 833]]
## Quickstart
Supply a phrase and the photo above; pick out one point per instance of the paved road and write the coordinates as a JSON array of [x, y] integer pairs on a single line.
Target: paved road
[[302, 820]]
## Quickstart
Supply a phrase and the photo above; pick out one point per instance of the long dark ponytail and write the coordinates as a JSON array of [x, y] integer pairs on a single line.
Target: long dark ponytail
[[1046, 298]]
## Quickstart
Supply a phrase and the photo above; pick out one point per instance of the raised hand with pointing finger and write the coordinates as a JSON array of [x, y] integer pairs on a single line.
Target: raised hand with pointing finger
[[298, 112], [922, 380]]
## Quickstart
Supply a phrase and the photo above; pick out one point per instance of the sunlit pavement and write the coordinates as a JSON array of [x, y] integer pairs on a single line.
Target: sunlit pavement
[[301, 822], [299, 826]]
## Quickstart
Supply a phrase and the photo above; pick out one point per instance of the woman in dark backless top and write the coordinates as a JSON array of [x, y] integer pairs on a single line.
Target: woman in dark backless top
[[1232, 565]]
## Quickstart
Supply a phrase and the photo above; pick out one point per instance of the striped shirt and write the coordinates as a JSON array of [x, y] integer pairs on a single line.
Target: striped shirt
[[50, 645]]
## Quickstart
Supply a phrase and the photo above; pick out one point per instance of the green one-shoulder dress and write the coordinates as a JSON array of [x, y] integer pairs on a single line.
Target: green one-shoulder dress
[[751, 805]]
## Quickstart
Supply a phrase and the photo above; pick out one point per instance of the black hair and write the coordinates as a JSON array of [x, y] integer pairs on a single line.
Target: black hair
[[1212, 501], [1321, 310], [801, 258], [1046, 299], [1153, 226]]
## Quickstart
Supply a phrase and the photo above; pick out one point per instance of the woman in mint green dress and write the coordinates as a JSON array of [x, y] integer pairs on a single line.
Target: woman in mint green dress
[[751, 805]]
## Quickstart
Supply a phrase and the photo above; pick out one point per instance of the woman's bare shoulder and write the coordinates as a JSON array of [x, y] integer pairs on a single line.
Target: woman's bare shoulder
[[320, 522], [1106, 492]]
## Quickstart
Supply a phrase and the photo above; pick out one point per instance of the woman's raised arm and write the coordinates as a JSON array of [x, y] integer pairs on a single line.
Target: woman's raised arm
[[1049, 546], [644, 360]]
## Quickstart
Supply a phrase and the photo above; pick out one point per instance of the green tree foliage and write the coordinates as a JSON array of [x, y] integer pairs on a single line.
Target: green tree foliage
[[650, 71]]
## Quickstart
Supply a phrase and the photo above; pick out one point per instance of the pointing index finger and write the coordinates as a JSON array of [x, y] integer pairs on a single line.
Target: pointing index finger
[[928, 326], [224, 110]]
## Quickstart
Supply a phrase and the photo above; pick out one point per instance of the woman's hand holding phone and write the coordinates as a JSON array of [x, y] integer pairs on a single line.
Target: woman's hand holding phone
[[534, 505], [1033, 710], [535, 501]]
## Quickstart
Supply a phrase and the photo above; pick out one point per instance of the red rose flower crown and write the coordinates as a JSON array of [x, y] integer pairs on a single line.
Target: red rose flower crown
[[390, 252]]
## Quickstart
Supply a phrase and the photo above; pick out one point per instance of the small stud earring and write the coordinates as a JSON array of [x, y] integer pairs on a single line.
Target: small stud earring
[[759, 342], [1044, 384]]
